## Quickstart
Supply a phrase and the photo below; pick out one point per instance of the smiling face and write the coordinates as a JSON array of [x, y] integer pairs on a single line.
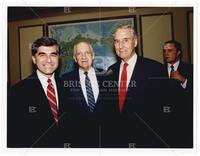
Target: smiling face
[[170, 54], [83, 55], [46, 60], [124, 43]]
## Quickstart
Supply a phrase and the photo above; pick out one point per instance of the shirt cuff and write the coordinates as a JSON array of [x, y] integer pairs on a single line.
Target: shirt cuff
[[184, 84]]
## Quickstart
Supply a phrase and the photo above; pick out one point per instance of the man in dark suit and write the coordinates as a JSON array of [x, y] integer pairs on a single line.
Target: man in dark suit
[[178, 120], [175, 68], [134, 96], [34, 103], [83, 89]]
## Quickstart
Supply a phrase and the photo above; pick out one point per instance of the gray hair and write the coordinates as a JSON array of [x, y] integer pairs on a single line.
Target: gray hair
[[90, 46], [125, 26]]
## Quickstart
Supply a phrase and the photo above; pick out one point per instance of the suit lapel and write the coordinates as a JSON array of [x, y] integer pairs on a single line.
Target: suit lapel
[[40, 100], [80, 96], [115, 73], [166, 71], [116, 76], [98, 101], [136, 77], [135, 82], [181, 69], [40, 91], [61, 94]]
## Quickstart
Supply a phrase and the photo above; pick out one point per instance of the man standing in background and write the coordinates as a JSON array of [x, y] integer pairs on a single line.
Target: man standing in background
[[177, 125]]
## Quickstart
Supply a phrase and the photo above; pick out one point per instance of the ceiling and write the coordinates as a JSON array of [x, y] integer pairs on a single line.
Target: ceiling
[[22, 13]]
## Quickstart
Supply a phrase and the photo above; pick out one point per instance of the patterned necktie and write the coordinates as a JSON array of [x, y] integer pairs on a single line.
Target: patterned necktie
[[90, 95], [51, 96], [172, 69], [122, 90]]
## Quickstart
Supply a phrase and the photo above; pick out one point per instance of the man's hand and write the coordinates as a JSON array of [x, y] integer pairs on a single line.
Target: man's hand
[[176, 75]]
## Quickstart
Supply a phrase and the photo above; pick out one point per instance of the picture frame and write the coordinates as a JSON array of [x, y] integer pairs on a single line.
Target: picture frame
[[98, 32]]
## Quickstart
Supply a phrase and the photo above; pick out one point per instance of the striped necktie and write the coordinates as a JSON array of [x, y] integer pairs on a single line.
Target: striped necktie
[[90, 95], [51, 96]]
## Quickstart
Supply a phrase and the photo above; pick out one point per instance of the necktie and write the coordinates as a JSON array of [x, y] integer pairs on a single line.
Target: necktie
[[51, 96], [90, 95], [122, 90], [172, 69]]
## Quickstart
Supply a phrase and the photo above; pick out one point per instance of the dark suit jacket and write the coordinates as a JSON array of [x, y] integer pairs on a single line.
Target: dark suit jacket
[[84, 125], [134, 125], [186, 70], [29, 118], [177, 125]]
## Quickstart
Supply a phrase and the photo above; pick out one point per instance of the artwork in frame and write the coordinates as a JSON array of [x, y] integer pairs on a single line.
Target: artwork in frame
[[97, 32]]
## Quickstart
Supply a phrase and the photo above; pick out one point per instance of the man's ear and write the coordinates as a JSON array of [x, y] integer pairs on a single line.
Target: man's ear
[[135, 42], [74, 58], [93, 56], [33, 59], [179, 53]]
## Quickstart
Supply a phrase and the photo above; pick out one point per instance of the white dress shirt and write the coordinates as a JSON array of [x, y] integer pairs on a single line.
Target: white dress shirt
[[175, 69], [43, 80], [130, 68], [93, 80]]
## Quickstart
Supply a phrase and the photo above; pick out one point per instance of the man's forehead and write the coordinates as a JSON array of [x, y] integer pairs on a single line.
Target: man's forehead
[[123, 35], [169, 45], [123, 31], [83, 51], [47, 48], [46, 52], [42, 51], [81, 46]]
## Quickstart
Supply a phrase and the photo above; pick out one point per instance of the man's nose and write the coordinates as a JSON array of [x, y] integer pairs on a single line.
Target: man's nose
[[83, 55], [49, 59], [164, 52], [121, 44]]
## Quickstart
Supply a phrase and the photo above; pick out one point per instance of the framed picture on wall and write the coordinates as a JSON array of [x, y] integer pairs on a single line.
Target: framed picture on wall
[[98, 32]]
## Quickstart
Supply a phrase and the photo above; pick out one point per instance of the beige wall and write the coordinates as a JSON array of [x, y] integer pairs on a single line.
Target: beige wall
[[13, 49], [179, 26], [159, 28], [25, 47]]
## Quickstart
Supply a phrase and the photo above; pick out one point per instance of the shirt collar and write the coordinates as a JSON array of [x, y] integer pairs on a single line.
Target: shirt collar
[[131, 61], [175, 65], [43, 78], [90, 71]]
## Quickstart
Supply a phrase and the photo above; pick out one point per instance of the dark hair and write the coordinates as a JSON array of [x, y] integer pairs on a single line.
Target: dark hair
[[176, 44], [44, 41]]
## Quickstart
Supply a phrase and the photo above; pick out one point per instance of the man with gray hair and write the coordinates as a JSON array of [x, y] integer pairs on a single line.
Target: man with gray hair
[[135, 97], [82, 90]]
